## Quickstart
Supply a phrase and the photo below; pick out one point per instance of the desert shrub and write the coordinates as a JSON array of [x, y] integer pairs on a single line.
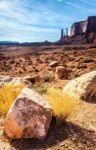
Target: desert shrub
[[62, 103], [41, 88], [8, 93]]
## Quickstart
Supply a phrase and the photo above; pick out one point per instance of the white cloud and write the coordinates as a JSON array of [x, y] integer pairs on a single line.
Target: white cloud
[[80, 7], [5, 5]]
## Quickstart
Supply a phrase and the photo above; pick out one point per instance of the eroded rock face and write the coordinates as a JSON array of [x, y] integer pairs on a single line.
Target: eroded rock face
[[83, 87], [82, 32], [86, 28], [78, 28], [29, 116], [90, 34], [61, 72], [91, 27]]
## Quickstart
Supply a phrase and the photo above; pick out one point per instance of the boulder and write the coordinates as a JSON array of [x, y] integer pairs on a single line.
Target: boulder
[[53, 64], [61, 72], [15, 80], [83, 87], [29, 116]]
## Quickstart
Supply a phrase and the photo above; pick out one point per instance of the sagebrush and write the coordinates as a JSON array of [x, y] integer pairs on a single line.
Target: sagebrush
[[62, 103], [8, 94]]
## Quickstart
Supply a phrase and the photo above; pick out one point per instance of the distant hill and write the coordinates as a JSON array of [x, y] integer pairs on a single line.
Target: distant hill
[[8, 43], [26, 43]]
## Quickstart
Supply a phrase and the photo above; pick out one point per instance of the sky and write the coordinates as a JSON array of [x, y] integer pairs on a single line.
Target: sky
[[40, 20]]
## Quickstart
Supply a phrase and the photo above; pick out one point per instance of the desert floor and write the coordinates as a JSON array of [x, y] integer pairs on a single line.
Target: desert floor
[[79, 130]]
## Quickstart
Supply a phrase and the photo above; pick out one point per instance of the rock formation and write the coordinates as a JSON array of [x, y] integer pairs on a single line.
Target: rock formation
[[82, 32], [78, 28]]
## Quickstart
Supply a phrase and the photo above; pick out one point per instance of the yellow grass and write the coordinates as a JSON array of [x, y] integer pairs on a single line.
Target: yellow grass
[[8, 93], [62, 103]]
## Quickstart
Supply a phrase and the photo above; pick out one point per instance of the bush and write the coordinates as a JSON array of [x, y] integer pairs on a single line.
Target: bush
[[62, 103], [41, 89], [8, 94]]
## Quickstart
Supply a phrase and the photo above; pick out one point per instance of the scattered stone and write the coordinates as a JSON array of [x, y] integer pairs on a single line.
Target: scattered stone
[[83, 87], [53, 64], [29, 116], [33, 79], [61, 72]]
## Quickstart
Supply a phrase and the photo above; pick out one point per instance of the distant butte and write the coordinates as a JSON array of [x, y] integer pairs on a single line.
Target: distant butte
[[83, 32]]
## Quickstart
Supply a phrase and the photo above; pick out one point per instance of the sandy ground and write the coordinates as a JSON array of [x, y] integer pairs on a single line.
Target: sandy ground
[[22, 61]]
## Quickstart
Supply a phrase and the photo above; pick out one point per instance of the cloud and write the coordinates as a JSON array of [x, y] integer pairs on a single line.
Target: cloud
[[5, 5], [80, 6], [89, 2]]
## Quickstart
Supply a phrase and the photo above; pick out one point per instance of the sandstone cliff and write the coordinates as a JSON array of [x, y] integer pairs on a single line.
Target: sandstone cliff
[[82, 27], [78, 28], [83, 32]]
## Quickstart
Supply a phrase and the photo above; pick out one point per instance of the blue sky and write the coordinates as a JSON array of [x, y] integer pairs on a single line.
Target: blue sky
[[40, 20]]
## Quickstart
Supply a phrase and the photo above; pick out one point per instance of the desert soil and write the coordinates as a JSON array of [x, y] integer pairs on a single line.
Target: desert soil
[[78, 131]]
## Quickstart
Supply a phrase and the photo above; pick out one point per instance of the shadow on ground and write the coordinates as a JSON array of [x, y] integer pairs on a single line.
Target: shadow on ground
[[59, 133]]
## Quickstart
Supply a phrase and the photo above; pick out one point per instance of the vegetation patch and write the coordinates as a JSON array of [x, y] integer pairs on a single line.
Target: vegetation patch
[[62, 103], [41, 88], [8, 94]]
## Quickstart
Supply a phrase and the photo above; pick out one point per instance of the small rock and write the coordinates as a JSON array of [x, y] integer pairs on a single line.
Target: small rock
[[33, 79], [53, 64], [83, 87], [61, 72], [29, 116]]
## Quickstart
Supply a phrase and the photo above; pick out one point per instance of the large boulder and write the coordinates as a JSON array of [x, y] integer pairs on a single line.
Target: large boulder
[[11, 80], [82, 87], [61, 72], [29, 116]]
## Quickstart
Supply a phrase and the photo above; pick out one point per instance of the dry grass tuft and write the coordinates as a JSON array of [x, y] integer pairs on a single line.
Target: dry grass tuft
[[62, 103], [8, 93]]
